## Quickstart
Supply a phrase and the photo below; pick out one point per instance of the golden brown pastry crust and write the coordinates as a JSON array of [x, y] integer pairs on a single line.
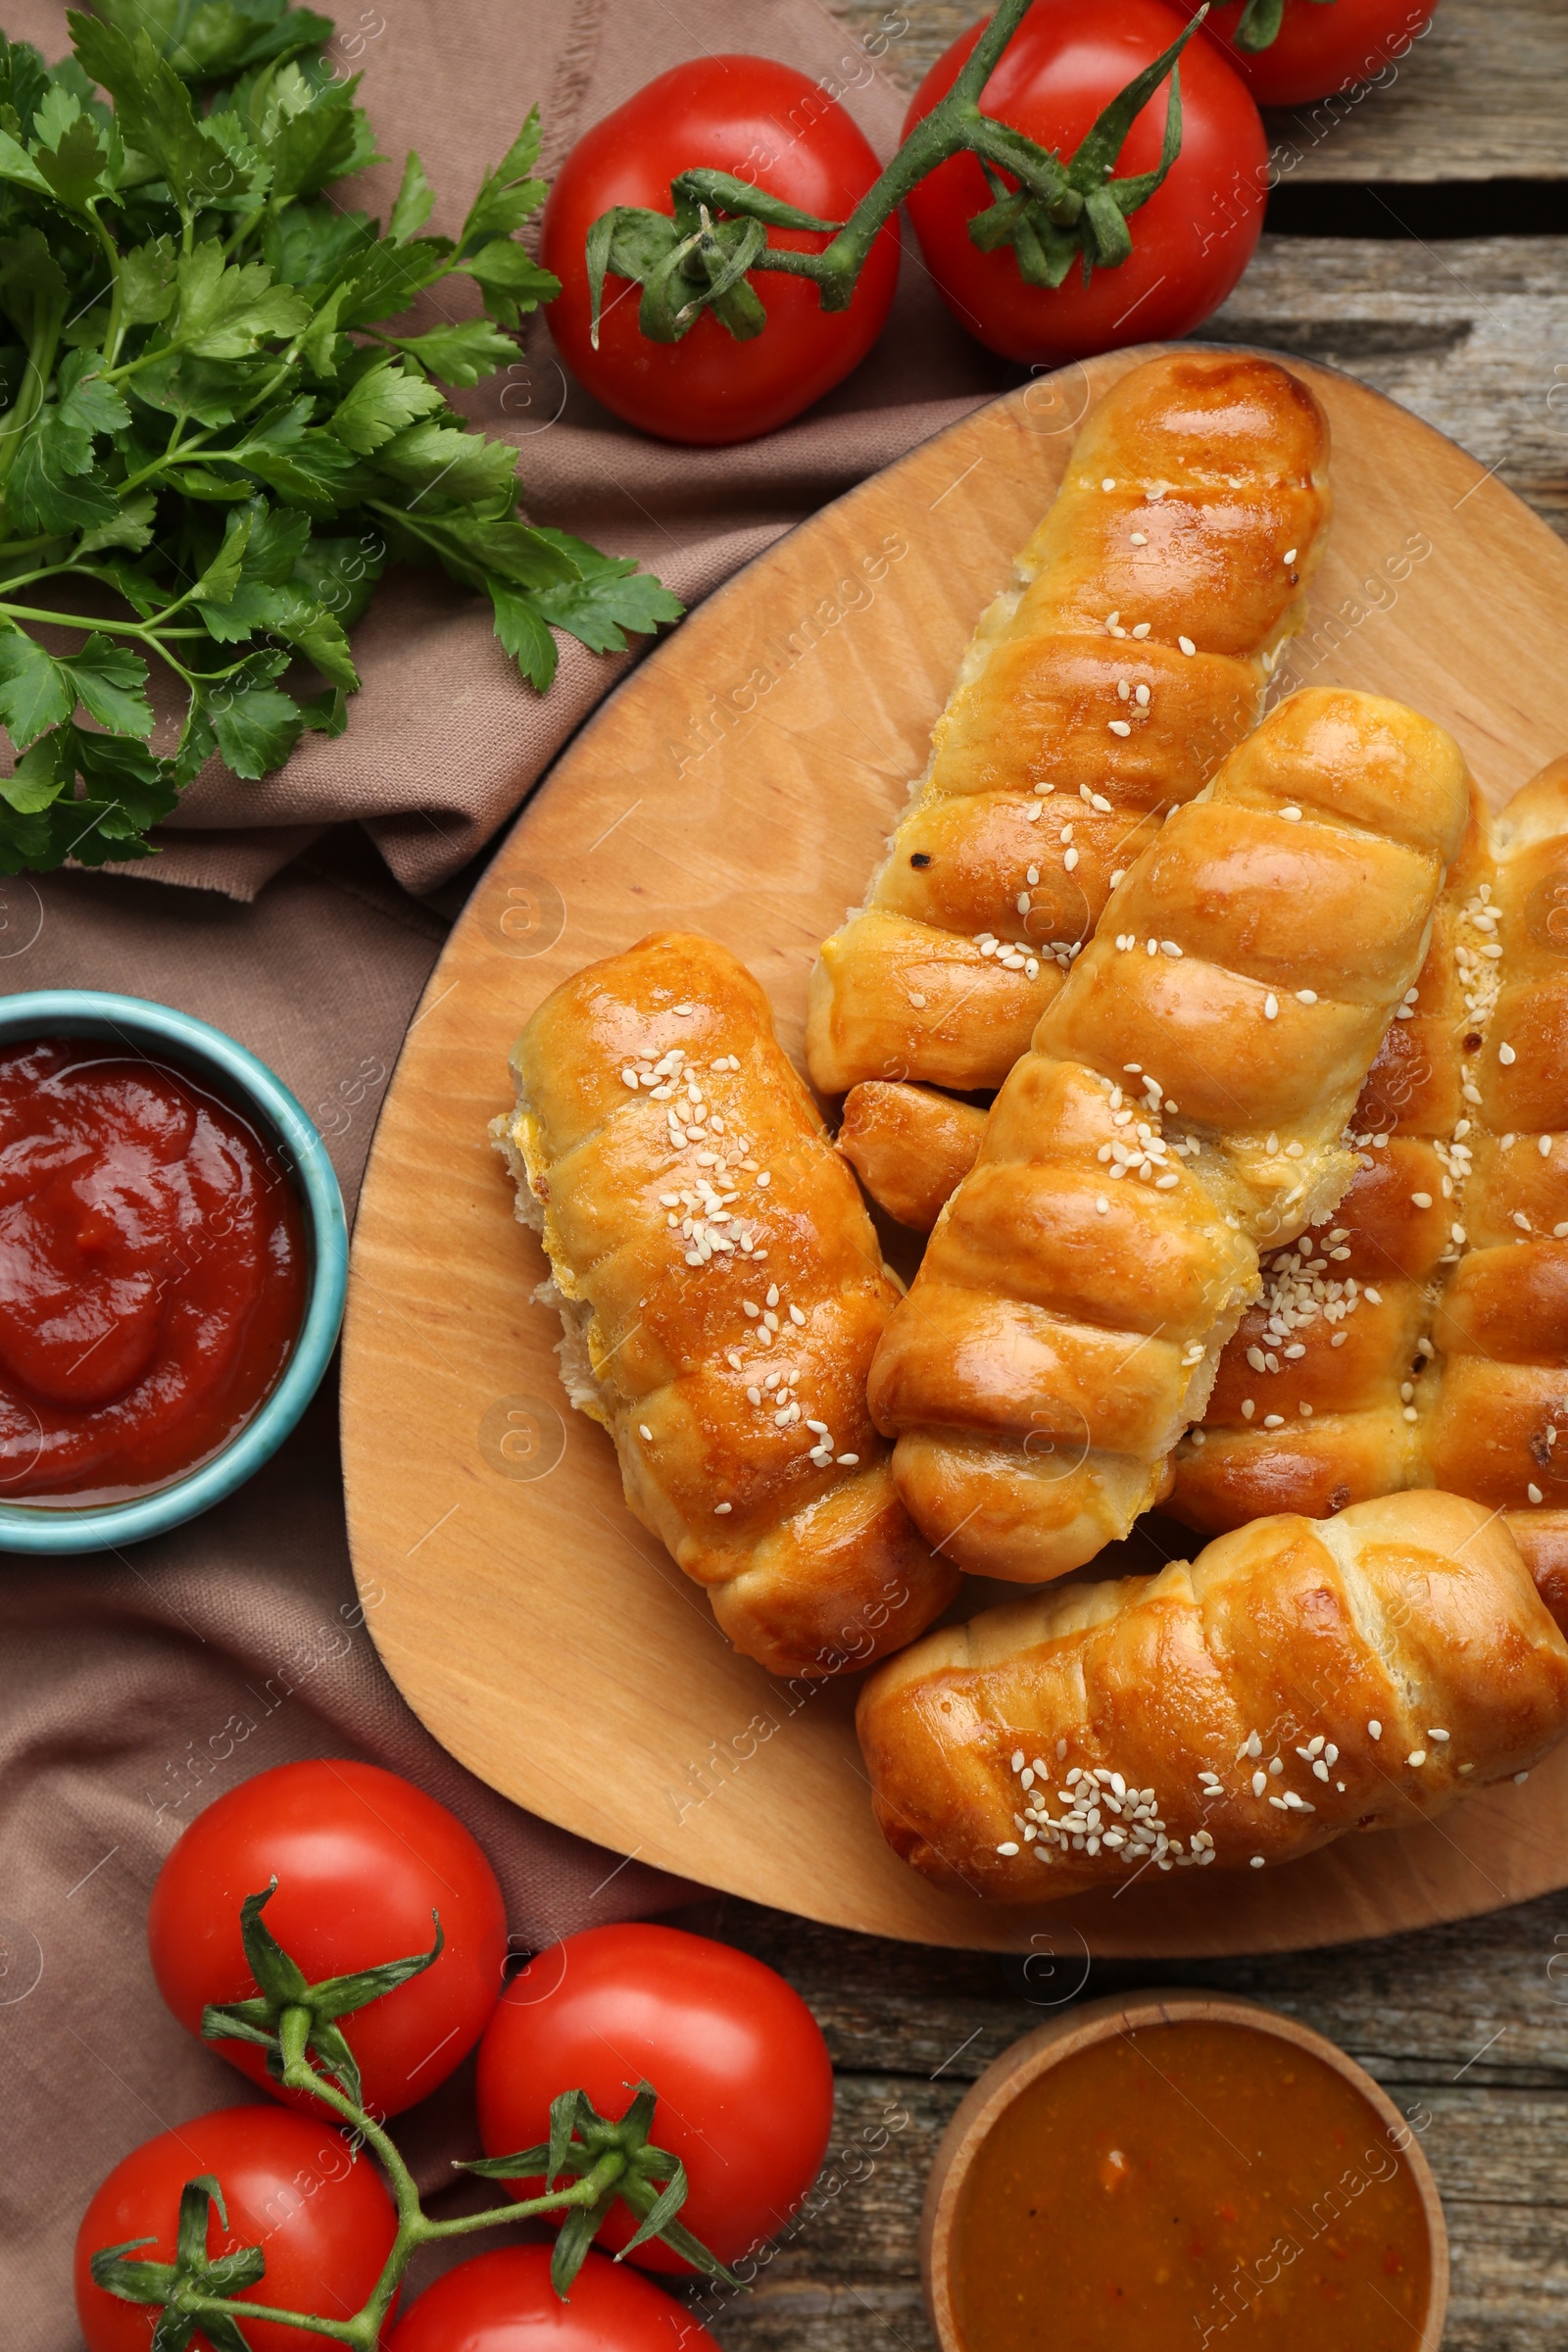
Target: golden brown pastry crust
[[911, 1146], [722, 1290], [1103, 688], [1297, 1679], [1421, 1337], [1185, 1098]]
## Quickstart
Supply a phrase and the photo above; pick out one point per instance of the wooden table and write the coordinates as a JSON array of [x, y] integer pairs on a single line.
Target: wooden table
[[1466, 2027]]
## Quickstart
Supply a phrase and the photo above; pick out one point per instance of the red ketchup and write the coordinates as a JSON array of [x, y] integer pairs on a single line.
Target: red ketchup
[[152, 1272]]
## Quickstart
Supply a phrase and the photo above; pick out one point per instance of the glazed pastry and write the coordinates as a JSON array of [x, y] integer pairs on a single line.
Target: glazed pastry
[[1421, 1336], [1298, 1679], [1101, 689], [721, 1291], [1184, 1099], [910, 1145]]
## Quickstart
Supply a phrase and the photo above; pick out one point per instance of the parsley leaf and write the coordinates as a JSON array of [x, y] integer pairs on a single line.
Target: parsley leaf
[[221, 424]]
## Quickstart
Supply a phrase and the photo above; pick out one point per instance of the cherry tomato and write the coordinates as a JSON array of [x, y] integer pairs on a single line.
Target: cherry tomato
[[504, 2302], [321, 2215], [1191, 241], [766, 124], [744, 2080], [1322, 46], [362, 1859]]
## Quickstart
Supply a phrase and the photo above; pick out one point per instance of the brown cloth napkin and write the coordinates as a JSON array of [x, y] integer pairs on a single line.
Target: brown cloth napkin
[[135, 1687]]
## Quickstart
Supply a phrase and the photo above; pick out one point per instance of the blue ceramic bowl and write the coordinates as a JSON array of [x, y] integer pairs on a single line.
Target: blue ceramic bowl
[[163, 1035]]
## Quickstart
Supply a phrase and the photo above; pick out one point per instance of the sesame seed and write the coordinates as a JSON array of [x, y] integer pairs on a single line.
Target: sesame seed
[[1257, 1861], [1260, 1783], [1519, 1779], [1120, 726], [1373, 1728], [1140, 539], [1417, 1756], [1544, 1146], [721, 1509], [1422, 1199], [796, 1315], [1141, 629], [1008, 1847], [1290, 555], [642, 1431], [1437, 1735], [1102, 1206], [1109, 482], [1186, 645], [847, 1460], [1534, 1492], [1070, 861], [1506, 1055], [1292, 816]]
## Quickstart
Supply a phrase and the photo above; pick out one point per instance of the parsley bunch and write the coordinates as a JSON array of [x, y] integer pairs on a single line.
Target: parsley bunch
[[211, 441]]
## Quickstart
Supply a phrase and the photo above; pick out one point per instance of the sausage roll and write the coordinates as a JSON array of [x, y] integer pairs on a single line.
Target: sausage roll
[[1298, 1679], [1101, 689], [1184, 1099], [721, 1291], [1420, 1338]]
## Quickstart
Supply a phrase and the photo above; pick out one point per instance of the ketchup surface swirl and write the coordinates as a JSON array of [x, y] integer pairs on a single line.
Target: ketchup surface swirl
[[152, 1271]]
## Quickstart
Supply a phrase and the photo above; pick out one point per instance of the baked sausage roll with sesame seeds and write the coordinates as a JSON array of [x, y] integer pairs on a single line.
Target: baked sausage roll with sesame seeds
[[1298, 1679], [722, 1290], [1100, 691], [1184, 1099], [1422, 1338]]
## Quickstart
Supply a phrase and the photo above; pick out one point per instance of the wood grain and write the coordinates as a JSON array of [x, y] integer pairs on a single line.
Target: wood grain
[[1470, 334], [536, 1628], [1479, 97]]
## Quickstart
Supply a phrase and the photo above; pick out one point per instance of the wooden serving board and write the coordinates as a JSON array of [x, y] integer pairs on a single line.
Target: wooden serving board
[[742, 781]]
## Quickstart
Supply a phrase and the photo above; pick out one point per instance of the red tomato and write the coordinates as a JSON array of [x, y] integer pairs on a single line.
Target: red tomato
[[296, 2189], [767, 124], [504, 2302], [1322, 46], [362, 1859], [743, 2080], [1191, 241]]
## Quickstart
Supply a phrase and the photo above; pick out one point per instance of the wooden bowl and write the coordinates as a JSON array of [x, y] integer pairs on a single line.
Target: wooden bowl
[[1091, 2022]]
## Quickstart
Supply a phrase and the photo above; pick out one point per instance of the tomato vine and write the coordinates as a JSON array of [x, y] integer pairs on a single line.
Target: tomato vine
[[599, 2160]]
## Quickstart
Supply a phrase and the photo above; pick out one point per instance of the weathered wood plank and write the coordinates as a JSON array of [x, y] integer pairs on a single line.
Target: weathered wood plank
[[1472, 335], [1478, 98], [1464, 2025]]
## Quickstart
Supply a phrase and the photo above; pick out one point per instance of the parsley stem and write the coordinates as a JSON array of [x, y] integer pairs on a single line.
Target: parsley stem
[[116, 331]]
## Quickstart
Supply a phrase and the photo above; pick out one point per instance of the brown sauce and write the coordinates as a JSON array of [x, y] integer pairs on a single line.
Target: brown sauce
[[1188, 2185]]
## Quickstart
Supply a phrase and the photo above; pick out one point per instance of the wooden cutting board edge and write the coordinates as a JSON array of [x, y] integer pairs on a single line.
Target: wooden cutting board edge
[[1419, 1877]]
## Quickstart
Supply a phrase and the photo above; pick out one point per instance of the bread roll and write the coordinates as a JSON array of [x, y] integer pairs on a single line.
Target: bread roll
[[1104, 688], [1421, 1336], [1184, 1099], [1296, 1679], [721, 1291], [911, 1146]]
